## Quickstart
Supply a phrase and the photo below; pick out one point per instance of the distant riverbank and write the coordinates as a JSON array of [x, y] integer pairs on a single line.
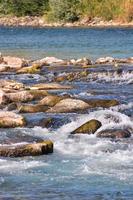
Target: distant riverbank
[[40, 22]]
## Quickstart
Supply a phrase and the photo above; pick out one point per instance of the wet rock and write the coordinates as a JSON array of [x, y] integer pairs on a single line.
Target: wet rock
[[30, 70], [33, 149], [114, 133], [104, 60], [11, 120], [15, 62], [50, 100], [10, 84], [102, 103], [68, 105], [30, 108], [89, 127], [49, 86]]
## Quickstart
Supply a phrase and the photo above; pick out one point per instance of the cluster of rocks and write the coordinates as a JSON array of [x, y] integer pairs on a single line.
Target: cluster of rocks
[[94, 125], [17, 98], [22, 66], [41, 22]]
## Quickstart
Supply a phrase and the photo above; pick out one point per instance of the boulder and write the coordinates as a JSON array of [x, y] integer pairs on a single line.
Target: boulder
[[48, 61], [83, 61], [4, 68], [30, 108], [89, 127], [15, 62], [102, 103], [49, 86], [38, 94], [68, 105], [20, 96], [33, 149], [114, 133], [50, 100], [10, 84], [3, 98], [11, 120], [104, 60]]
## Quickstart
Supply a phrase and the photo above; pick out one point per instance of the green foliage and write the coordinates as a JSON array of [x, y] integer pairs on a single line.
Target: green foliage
[[69, 10], [64, 10], [23, 7]]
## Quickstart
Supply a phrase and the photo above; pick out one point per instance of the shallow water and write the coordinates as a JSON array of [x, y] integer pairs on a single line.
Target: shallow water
[[82, 167]]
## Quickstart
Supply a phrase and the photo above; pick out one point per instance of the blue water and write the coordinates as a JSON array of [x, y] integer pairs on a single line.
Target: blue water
[[83, 167], [67, 42]]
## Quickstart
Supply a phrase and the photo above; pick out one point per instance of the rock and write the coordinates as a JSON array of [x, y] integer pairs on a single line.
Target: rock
[[104, 60], [1, 58], [102, 103], [50, 100], [20, 96], [33, 149], [15, 62], [49, 86], [38, 94], [3, 98], [30, 70], [89, 127], [114, 133], [10, 84], [83, 61], [30, 108], [4, 68], [49, 60], [68, 105], [26, 96], [11, 120]]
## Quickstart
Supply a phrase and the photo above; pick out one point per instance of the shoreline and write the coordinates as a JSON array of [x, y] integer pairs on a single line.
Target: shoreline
[[39, 22]]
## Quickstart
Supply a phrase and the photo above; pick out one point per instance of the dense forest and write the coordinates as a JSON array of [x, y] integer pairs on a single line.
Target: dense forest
[[69, 10]]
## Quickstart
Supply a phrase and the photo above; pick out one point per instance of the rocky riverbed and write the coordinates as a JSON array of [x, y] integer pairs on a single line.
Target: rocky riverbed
[[34, 21], [52, 93], [62, 109]]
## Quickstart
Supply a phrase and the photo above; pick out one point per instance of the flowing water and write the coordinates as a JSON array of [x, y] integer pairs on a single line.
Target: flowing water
[[82, 167]]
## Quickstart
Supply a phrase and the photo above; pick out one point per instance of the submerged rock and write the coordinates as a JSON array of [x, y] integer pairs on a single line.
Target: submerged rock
[[89, 127], [49, 86], [68, 105], [114, 133], [33, 149], [11, 120]]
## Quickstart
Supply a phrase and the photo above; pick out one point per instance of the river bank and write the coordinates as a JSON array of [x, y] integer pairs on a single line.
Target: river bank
[[28, 21]]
